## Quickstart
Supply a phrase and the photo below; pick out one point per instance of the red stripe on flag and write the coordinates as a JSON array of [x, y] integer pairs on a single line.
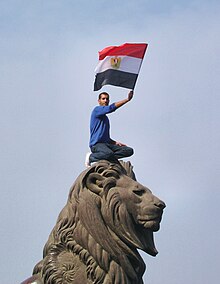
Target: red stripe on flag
[[130, 49]]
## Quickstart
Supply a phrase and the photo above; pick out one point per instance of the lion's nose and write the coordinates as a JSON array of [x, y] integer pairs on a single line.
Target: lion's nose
[[159, 203]]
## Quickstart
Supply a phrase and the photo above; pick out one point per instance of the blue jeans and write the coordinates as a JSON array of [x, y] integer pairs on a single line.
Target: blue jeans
[[110, 152]]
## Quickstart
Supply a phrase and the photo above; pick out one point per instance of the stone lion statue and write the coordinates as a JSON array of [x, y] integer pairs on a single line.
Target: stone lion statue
[[108, 216]]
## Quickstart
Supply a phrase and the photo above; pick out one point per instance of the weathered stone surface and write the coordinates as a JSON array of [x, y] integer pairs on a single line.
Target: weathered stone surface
[[108, 216]]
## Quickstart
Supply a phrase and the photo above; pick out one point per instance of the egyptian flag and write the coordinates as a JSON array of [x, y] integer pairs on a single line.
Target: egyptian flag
[[119, 65]]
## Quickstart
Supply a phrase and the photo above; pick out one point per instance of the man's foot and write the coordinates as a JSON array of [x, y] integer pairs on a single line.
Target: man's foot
[[87, 163]]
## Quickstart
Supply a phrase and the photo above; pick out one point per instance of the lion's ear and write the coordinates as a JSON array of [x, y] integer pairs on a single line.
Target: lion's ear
[[94, 182]]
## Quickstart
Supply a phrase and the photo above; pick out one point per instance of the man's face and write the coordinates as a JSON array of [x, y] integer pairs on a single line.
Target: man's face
[[104, 100]]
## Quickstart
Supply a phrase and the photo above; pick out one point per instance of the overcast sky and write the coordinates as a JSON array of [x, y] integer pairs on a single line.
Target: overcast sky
[[48, 53]]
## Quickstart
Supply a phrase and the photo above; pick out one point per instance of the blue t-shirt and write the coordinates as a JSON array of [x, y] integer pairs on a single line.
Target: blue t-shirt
[[99, 124]]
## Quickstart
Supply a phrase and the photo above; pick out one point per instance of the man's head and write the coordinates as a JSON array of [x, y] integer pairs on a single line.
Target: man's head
[[103, 99]]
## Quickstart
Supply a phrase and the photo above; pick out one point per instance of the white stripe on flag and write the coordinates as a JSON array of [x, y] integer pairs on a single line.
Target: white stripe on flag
[[128, 64]]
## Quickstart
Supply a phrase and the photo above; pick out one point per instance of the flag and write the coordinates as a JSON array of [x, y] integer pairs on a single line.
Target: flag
[[119, 65]]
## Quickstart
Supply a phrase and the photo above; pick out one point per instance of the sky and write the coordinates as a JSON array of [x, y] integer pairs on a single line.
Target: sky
[[48, 53]]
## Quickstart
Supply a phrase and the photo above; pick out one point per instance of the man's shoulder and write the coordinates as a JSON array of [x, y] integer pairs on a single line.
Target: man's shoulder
[[96, 109], [102, 110]]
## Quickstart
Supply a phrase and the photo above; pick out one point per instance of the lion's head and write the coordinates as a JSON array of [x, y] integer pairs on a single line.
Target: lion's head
[[108, 216]]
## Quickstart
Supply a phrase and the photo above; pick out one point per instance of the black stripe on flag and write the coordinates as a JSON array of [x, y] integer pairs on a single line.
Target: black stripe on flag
[[116, 78]]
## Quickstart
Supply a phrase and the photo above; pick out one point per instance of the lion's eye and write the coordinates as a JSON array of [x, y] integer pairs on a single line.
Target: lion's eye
[[139, 192]]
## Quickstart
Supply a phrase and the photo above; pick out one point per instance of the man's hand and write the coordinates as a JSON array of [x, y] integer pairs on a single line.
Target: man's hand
[[130, 95], [119, 143]]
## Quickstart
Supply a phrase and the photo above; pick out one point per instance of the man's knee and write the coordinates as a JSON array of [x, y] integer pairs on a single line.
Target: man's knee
[[129, 151]]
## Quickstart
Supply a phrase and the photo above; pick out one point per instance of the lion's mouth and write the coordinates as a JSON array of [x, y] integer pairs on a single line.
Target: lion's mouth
[[153, 224]]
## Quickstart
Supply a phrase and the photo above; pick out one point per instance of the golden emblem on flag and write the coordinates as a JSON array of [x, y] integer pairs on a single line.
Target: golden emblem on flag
[[115, 62]]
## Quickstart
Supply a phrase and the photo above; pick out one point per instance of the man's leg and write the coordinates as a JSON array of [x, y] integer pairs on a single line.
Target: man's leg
[[101, 151], [121, 151]]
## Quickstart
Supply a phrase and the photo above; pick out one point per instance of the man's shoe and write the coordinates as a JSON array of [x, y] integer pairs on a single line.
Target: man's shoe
[[87, 163]]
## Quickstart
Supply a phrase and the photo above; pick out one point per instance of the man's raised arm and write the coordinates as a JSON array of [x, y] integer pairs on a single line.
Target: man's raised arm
[[121, 103]]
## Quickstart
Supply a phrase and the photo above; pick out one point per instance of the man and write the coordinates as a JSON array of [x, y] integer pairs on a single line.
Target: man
[[101, 145]]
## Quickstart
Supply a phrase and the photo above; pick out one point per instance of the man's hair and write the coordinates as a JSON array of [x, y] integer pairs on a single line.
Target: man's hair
[[103, 93]]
